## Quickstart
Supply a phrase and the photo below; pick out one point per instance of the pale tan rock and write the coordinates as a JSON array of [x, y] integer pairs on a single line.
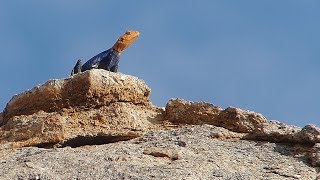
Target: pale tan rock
[[234, 119], [239, 120], [225, 135], [33, 130], [100, 108], [162, 152], [93, 107], [119, 121], [202, 158], [314, 155], [186, 112], [94, 88], [274, 131], [309, 134]]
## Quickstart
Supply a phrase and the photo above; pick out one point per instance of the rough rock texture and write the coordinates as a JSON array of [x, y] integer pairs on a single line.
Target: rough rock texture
[[118, 121], [149, 157], [101, 125], [274, 131], [90, 89], [186, 112], [181, 111], [94, 107], [314, 155], [309, 134]]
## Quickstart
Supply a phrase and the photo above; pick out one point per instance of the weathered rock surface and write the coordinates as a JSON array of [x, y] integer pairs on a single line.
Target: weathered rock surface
[[275, 131], [101, 125], [118, 121], [89, 89], [149, 157], [309, 134], [186, 112], [94, 107], [234, 119]]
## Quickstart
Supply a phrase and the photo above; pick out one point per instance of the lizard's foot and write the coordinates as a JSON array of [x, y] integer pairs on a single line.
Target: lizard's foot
[[114, 69], [77, 68]]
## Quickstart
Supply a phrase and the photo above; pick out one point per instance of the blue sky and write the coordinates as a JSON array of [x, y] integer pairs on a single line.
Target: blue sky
[[256, 55]]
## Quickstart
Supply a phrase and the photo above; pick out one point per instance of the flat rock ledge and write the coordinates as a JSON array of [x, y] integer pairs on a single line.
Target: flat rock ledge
[[109, 118]]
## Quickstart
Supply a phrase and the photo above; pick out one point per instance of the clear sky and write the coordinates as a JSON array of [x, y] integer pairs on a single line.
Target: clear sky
[[256, 55]]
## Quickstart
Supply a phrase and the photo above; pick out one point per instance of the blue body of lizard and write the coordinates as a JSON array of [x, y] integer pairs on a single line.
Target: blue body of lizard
[[107, 60]]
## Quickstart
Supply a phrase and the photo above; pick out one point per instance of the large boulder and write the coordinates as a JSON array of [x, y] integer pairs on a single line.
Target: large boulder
[[90, 89], [93, 107]]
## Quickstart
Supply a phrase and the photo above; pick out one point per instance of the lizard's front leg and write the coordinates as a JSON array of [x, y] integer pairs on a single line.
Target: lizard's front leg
[[77, 68], [114, 68]]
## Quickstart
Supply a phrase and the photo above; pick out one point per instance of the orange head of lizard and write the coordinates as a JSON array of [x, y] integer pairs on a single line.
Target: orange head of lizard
[[125, 41]]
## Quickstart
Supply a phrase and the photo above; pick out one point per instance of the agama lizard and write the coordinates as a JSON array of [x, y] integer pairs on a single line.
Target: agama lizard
[[108, 59]]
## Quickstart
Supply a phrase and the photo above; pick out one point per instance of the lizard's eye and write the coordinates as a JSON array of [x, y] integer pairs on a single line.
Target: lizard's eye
[[128, 32]]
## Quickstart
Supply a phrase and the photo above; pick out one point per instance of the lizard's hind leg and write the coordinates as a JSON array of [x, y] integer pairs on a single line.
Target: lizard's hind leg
[[77, 68]]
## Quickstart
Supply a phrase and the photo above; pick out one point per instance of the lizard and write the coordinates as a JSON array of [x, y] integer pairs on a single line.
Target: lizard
[[108, 59]]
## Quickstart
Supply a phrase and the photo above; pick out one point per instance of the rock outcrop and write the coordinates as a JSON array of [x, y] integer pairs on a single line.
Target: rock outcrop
[[234, 119], [102, 125], [91, 89], [94, 107]]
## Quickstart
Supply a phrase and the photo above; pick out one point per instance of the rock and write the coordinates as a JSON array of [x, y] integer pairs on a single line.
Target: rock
[[94, 88], [274, 131], [94, 107], [162, 152], [101, 125], [227, 135], [278, 132], [309, 134], [116, 122], [202, 158], [185, 112], [314, 155], [237, 120]]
